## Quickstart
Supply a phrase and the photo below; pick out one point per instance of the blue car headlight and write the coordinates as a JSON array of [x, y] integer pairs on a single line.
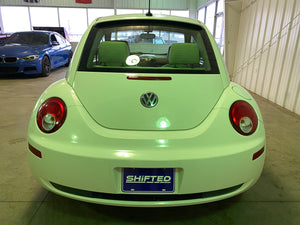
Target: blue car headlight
[[30, 57]]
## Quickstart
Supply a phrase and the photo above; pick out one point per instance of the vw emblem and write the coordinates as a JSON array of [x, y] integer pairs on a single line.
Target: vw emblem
[[149, 99]]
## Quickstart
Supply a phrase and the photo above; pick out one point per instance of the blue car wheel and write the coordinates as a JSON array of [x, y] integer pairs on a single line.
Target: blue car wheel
[[45, 66]]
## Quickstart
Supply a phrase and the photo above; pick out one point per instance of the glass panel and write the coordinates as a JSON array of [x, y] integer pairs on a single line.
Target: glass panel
[[9, 19], [201, 14], [183, 13], [74, 20], [164, 12], [60, 39], [148, 46], [28, 38], [220, 6], [39, 19], [219, 37], [95, 13], [210, 17], [128, 11]]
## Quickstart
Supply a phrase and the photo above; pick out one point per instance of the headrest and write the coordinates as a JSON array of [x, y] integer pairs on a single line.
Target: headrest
[[113, 53], [184, 53]]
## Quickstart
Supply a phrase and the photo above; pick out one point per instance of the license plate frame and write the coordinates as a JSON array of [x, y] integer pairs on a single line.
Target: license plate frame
[[148, 180]]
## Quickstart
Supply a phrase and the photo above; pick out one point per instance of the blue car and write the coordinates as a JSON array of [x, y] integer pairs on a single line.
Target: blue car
[[34, 52]]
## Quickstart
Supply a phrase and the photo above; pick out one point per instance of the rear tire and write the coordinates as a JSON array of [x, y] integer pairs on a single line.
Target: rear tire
[[46, 66]]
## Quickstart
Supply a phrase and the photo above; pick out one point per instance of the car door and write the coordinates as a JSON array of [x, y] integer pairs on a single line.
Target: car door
[[54, 53], [64, 49]]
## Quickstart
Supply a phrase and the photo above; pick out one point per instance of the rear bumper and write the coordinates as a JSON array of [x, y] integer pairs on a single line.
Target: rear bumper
[[84, 161], [98, 180], [93, 173]]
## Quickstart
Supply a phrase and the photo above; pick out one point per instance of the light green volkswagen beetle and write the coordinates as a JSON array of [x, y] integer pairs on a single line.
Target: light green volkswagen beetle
[[147, 117]]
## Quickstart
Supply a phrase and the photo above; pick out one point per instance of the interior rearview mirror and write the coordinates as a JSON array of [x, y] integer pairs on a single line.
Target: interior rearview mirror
[[147, 36]]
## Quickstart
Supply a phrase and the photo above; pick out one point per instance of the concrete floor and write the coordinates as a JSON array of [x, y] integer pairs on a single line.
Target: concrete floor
[[275, 199]]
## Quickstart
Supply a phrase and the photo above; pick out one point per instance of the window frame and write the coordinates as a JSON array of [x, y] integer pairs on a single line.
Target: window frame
[[85, 56]]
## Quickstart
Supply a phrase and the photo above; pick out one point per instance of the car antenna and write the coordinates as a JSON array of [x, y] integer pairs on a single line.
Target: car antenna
[[149, 13]]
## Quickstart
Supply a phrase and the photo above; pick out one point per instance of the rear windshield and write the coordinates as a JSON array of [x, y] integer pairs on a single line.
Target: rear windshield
[[148, 46]]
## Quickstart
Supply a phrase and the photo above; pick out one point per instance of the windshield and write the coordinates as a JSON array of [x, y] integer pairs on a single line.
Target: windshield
[[148, 46], [28, 38]]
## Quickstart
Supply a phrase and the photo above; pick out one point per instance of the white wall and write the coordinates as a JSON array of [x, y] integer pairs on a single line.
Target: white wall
[[267, 57]]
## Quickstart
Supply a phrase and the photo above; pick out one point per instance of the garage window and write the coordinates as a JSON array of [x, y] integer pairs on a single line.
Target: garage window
[[9, 19], [74, 20], [212, 15], [96, 13], [39, 19]]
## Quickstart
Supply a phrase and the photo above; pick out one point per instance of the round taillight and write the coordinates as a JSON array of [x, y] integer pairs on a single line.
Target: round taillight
[[51, 115], [243, 117]]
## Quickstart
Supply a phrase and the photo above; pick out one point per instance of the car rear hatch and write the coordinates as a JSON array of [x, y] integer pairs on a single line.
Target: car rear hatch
[[128, 80], [119, 101]]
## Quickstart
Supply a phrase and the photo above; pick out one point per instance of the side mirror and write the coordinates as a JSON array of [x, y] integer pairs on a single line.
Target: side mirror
[[54, 43]]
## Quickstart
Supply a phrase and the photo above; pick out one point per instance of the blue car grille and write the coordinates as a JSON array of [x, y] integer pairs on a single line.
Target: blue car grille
[[10, 59]]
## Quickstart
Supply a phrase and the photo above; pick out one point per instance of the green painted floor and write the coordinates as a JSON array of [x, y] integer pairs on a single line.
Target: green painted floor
[[274, 200]]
